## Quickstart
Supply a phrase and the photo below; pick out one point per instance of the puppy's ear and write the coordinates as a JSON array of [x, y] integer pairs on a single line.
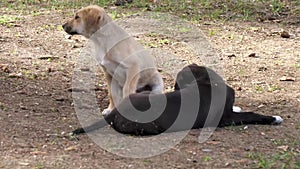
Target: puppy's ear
[[102, 18], [99, 19]]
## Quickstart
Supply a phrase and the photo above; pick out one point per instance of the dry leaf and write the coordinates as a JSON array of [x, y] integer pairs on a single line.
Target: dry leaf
[[284, 148], [37, 153], [24, 163], [71, 148], [231, 56], [287, 78], [15, 75], [213, 142]]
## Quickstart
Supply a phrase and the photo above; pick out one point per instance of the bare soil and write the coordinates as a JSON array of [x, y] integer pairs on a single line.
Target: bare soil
[[36, 110]]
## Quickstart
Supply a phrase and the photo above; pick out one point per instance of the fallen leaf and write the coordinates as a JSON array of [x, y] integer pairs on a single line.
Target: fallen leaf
[[4, 68], [24, 163], [71, 148], [242, 161], [213, 142], [37, 153], [284, 148], [260, 106], [15, 75], [287, 78]]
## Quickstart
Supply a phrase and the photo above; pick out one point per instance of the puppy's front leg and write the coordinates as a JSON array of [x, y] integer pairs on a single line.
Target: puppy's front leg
[[111, 105], [132, 78]]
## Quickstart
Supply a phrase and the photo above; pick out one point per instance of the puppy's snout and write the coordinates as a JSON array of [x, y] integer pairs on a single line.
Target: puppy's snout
[[66, 27]]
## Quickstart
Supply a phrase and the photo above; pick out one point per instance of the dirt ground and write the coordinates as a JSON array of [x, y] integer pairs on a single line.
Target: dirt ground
[[36, 110]]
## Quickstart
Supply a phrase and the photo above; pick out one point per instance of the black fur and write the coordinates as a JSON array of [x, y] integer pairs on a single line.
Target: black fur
[[197, 83]]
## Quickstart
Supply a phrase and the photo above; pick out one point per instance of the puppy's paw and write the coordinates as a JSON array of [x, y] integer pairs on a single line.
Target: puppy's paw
[[278, 120], [236, 109], [106, 112]]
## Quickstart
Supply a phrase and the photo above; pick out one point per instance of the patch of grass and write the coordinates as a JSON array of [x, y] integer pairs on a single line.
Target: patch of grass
[[241, 72], [259, 88], [261, 161], [7, 20], [114, 15], [30, 75], [39, 166], [282, 159], [155, 40], [50, 27], [297, 66], [237, 128], [184, 30], [278, 142], [36, 13], [2, 106], [194, 10], [27, 73], [277, 6], [53, 109], [272, 88], [164, 41], [207, 158], [213, 10], [51, 4], [298, 125], [211, 32], [148, 161]]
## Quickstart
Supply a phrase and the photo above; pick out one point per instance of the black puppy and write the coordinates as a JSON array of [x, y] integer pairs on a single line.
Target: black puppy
[[201, 99]]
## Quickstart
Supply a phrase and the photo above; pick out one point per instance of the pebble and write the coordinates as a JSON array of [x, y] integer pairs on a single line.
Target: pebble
[[285, 34], [260, 106], [231, 56], [206, 150], [60, 99], [253, 55], [249, 148]]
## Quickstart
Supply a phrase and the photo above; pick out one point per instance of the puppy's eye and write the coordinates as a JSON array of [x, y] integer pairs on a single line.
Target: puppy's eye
[[76, 17]]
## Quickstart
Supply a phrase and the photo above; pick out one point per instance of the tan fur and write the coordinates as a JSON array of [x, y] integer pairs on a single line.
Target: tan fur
[[89, 20], [135, 72]]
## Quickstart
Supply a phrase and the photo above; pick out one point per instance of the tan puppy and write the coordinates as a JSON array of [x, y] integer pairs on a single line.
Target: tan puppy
[[129, 68]]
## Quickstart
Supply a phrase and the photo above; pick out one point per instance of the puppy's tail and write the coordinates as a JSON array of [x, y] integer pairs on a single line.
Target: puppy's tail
[[97, 125], [251, 118]]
